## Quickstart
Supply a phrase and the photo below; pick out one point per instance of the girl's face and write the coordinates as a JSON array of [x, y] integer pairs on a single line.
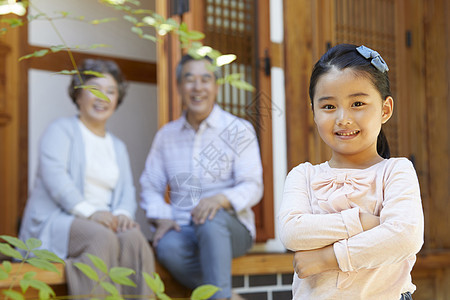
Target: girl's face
[[349, 112], [93, 110]]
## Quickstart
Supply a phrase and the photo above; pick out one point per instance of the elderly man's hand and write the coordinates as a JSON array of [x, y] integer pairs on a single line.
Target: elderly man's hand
[[208, 207], [162, 227]]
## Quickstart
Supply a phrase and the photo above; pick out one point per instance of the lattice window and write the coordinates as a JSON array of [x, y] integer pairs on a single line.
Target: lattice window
[[372, 23], [230, 27]]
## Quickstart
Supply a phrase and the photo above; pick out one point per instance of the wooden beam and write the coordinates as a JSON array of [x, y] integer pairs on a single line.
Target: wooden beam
[[133, 70], [298, 55], [438, 105], [263, 263], [18, 270]]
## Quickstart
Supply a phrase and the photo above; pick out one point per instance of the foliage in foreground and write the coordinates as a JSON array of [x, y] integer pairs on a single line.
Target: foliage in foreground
[[29, 253], [145, 24]]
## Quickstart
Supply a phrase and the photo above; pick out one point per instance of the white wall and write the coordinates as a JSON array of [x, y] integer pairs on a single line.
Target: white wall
[[117, 34], [135, 121]]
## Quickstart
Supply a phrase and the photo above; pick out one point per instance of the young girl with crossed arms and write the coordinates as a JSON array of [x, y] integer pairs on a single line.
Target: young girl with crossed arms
[[354, 222]]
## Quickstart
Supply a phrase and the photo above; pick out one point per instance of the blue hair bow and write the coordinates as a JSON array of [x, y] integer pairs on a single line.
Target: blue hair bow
[[377, 61]]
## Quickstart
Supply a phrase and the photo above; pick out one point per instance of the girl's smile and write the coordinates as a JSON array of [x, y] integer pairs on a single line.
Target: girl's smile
[[349, 112]]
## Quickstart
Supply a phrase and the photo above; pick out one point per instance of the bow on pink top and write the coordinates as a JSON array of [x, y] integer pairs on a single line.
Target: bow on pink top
[[334, 191]]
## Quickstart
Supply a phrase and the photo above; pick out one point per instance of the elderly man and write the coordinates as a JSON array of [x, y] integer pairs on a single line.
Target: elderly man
[[210, 159]]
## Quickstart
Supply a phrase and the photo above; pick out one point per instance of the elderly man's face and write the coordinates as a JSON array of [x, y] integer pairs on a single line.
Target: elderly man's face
[[198, 88]]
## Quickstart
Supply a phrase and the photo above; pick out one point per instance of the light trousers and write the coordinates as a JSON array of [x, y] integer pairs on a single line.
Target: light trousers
[[128, 249], [202, 254]]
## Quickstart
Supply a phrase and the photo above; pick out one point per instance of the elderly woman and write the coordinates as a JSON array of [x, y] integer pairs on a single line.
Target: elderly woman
[[83, 200]]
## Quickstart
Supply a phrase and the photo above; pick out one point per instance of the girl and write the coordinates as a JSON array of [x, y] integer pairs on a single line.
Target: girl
[[355, 222]]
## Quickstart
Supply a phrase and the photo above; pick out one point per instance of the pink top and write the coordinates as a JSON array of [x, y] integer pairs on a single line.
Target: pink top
[[321, 207]]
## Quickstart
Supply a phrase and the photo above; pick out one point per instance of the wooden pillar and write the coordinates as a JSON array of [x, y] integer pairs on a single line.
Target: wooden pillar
[[10, 83]]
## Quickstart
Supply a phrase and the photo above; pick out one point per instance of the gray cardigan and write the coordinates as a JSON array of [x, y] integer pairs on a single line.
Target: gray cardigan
[[59, 185]]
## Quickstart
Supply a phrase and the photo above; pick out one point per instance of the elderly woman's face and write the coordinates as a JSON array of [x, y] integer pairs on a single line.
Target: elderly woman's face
[[93, 109]]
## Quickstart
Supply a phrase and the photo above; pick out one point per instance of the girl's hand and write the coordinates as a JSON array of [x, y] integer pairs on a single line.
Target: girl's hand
[[105, 218], [368, 221], [124, 223], [312, 262]]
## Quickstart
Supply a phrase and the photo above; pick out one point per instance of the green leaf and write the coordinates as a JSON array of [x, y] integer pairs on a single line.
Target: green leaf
[[154, 282], [225, 59], [94, 46], [45, 291], [25, 284], [100, 21], [195, 35], [137, 30], [87, 270], [171, 22], [110, 288], [13, 22], [38, 53], [64, 13], [240, 84], [98, 263], [47, 255], [114, 2], [67, 72], [204, 292], [7, 266], [233, 77], [135, 2], [7, 250], [94, 90], [98, 94], [162, 296], [14, 241], [13, 295], [58, 48], [120, 275], [167, 27], [3, 274], [195, 54], [142, 12], [130, 19], [33, 243], [158, 18], [149, 20], [34, 17], [29, 275], [42, 264], [183, 27], [96, 74], [184, 41], [149, 37]]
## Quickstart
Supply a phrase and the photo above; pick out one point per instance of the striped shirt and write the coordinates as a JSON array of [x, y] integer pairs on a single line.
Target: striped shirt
[[221, 157]]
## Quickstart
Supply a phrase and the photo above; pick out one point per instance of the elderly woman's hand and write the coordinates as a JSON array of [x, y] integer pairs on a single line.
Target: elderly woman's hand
[[124, 223], [105, 218]]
